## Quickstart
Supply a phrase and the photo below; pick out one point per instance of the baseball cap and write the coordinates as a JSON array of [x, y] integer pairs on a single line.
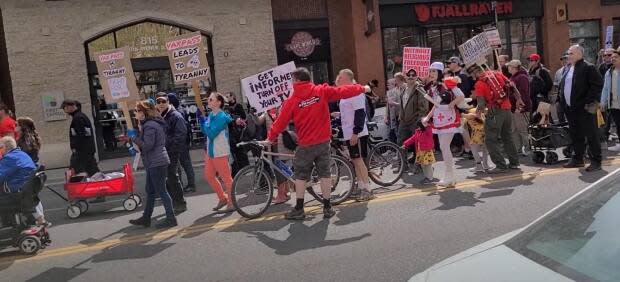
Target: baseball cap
[[455, 60], [161, 96], [69, 102], [534, 57], [436, 66]]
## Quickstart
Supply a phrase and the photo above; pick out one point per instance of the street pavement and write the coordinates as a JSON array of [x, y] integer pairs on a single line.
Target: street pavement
[[405, 230]]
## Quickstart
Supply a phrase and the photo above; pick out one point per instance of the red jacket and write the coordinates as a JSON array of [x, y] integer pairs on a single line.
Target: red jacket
[[423, 139], [484, 89], [309, 110]]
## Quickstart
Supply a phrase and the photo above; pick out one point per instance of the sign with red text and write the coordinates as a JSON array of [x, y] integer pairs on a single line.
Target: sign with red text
[[417, 58], [269, 89], [116, 76], [187, 57], [433, 13]]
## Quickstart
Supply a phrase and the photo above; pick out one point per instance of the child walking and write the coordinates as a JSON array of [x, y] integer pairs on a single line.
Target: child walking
[[424, 147], [475, 126]]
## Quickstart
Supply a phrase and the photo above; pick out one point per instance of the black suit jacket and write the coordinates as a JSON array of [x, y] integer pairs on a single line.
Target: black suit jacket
[[586, 88]]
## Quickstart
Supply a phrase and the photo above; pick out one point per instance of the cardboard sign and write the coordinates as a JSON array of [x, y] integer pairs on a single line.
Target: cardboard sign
[[116, 75], [51, 101], [609, 37], [417, 58], [492, 35], [187, 57], [475, 50], [268, 89]]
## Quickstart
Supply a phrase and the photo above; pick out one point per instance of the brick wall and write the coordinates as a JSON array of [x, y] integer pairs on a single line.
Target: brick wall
[[298, 9], [45, 46]]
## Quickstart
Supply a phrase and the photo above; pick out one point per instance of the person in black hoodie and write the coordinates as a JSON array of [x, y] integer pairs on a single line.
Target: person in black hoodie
[[176, 134], [540, 81], [185, 157], [81, 139], [235, 128]]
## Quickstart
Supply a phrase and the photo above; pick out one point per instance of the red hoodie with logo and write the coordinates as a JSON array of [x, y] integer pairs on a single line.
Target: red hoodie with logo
[[308, 108]]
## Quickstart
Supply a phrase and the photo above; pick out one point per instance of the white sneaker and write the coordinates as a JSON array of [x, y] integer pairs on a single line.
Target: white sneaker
[[615, 148]]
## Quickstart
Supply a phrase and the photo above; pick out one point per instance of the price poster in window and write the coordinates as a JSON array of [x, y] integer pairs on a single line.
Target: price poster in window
[[116, 76]]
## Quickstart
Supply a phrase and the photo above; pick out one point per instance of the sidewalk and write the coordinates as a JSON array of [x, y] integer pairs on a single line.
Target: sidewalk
[[55, 176]]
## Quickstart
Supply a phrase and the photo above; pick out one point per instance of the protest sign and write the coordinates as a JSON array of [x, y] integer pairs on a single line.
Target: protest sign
[[475, 49], [417, 58], [609, 37], [116, 75], [188, 62], [268, 89], [492, 35]]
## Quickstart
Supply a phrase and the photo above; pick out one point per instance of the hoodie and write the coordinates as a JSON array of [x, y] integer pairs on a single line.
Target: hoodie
[[176, 131], [152, 143], [308, 108]]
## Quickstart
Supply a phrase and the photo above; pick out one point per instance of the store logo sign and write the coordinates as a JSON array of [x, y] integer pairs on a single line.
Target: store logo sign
[[429, 12], [302, 44]]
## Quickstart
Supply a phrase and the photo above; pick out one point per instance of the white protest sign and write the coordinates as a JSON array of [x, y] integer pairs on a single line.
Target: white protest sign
[[609, 37], [268, 89], [492, 35], [475, 49], [417, 58]]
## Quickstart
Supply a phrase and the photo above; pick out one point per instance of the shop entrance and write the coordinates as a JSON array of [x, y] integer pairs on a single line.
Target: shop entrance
[[152, 70]]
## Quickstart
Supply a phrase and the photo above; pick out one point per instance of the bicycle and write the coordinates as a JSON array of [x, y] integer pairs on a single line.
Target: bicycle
[[253, 188], [386, 162]]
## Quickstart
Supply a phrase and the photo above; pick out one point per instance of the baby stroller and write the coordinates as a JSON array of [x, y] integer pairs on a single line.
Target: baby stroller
[[18, 228], [545, 139]]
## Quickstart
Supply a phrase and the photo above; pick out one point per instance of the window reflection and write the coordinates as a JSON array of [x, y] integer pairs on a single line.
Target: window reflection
[[586, 34]]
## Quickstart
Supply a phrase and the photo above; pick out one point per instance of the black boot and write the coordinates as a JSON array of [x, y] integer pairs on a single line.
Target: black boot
[[167, 223], [594, 166], [141, 222]]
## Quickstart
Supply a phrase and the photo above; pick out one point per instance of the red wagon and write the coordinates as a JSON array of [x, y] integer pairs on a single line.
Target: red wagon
[[79, 192]]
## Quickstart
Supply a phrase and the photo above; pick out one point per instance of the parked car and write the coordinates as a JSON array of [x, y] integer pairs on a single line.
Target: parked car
[[576, 241]]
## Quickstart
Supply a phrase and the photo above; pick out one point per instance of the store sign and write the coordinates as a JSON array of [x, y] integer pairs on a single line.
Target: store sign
[[417, 58], [187, 57], [431, 12], [269, 89], [116, 75], [475, 50], [302, 44], [51, 101]]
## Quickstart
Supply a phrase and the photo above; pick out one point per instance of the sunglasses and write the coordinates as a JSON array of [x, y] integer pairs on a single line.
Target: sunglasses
[[162, 101], [608, 55]]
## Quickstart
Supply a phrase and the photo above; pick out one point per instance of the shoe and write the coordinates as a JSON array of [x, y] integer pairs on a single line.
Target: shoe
[[220, 205], [426, 181], [497, 170], [417, 169], [514, 167], [479, 168], [366, 196], [328, 212], [355, 193], [180, 207], [296, 214], [167, 223], [228, 209], [141, 222], [594, 166], [615, 148], [445, 184], [189, 189], [574, 164], [281, 201]]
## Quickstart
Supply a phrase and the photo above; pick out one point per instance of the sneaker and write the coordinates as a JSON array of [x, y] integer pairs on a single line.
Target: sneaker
[[366, 196], [478, 168], [497, 170], [167, 223], [228, 210], [179, 207], [615, 148], [189, 189], [220, 205], [426, 181], [141, 222], [355, 193], [328, 212], [514, 167], [446, 184], [296, 214], [594, 166]]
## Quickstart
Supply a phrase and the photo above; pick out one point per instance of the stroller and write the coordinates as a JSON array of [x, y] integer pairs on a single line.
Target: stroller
[[545, 139], [18, 228]]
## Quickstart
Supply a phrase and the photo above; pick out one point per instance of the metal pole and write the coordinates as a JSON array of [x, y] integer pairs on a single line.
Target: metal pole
[[494, 6]]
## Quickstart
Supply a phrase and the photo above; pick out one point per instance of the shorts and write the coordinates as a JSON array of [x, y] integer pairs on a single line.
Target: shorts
[[360, 150], [315, 156]]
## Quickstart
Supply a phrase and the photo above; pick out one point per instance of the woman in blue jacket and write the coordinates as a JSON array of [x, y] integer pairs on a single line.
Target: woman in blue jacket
[[151, 142], [215, 128]]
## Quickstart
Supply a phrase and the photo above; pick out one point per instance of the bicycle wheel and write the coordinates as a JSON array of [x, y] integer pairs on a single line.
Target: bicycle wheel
[[386, 163], [342, 177], [252, 192]]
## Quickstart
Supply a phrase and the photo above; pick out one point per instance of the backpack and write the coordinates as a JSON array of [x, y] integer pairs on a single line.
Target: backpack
[[499, 88], [537, 84], [289, 141]]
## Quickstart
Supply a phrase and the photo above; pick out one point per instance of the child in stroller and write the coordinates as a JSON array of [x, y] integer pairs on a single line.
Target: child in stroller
[[19, 228]]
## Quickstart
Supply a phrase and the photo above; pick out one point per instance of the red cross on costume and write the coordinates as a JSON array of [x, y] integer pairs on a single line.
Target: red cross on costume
[[441, 117]]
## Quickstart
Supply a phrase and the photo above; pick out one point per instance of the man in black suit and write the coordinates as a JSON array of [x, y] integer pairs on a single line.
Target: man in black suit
[[580, 93]]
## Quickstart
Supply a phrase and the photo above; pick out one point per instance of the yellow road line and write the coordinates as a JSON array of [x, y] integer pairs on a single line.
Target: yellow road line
[[146, 237]]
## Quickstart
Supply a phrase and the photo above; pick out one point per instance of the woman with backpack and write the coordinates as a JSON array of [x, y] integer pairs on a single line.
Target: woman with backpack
[[444, 116]]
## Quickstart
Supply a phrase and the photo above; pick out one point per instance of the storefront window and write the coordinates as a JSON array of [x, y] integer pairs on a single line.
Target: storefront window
[[523, 38], [586, 34], [146, 39], [103, 43]]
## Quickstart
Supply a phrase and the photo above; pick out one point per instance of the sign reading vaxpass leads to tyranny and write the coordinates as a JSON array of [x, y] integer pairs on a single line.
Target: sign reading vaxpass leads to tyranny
[[187, 57], [116, 75], [269, 89]]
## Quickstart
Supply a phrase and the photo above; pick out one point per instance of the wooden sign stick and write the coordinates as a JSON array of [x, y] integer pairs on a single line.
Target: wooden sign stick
[[126, 114], [197, 98]]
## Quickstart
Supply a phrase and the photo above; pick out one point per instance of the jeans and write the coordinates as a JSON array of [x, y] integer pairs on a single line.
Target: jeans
[[172, 182], [186, 163], [156, 186]]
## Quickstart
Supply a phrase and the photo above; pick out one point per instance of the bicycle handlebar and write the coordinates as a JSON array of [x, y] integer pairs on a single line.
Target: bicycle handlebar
[[261, 144]]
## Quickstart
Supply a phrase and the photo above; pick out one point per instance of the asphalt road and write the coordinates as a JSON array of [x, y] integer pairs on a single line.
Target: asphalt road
[[404, 231]]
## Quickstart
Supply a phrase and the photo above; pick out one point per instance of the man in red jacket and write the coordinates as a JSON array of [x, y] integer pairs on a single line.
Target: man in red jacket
[[309, 110]]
